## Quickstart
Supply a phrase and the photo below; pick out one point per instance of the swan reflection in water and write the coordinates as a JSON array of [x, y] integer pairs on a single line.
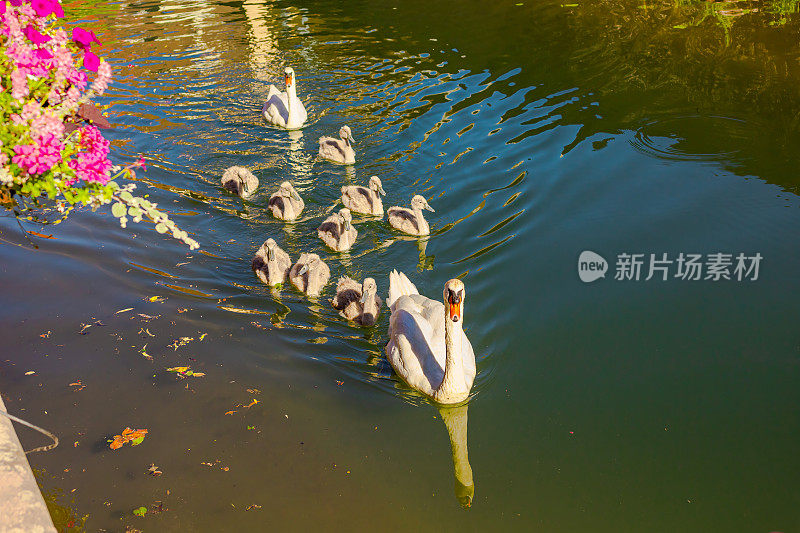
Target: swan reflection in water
[[455, 419]]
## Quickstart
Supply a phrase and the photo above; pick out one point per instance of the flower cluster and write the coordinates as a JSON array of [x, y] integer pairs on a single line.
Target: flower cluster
[[46, 145]]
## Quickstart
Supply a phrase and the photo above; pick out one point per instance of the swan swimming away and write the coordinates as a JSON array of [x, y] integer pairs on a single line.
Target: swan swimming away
[[411, 220], [364, 200], [310, 274], [337, 231], [358, 301], [239, 180], [427, 345], [271, 264], [338, 150], [285, 109], [286, 204]]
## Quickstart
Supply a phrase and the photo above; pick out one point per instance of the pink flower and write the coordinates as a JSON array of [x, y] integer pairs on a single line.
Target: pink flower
[[45, 7], [34, 36], [103, 77], [84, 38], [19, 84], [140, 163], [15, 3], [39, 157], [92, 165], [91, 61]]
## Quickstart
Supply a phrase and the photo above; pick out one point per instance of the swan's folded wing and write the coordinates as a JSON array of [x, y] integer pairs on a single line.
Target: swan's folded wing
[[411, 350], [275, 109]]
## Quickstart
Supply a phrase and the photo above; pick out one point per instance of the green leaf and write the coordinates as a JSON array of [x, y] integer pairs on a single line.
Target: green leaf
[[137, 441], [161, 228], [125, 195], [135, 212], [141, 511], [118, 210]]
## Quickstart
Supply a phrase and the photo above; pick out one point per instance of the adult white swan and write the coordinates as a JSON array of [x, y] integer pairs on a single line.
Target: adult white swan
[[427, 345], [285, 109]]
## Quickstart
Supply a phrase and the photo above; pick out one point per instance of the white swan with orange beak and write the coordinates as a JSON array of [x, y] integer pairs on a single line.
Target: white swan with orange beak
[[427, 345], [284, 109]]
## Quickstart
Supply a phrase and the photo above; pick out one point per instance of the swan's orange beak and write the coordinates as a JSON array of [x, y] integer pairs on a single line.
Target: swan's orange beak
[[287, 79], [454, 308]]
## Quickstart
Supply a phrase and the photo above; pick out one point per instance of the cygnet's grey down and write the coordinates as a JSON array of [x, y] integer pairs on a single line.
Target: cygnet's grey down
[[239, 180], [338, 150], [286, 204], [411, 220], [357, 301], [310, 274], [337, 231], [271, 264], [364, 200]]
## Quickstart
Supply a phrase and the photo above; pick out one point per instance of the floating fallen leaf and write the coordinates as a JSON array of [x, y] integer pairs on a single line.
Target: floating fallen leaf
[[46, 335], [181, 264], [145, 354], [30, 373], [141, 511], [42, 235], [78, 384], [148, 317], [230, 412], [340, 383], [183, 341], [76, 444], [84, 327], [134, 436], [182, 310], [185, 371], [145, 331], [154, 470], [252, 507], [158, 299], [203, 336], [254, 391], [124, 310]]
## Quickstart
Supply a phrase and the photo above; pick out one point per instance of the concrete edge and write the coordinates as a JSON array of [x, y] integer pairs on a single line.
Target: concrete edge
[[22, 507]]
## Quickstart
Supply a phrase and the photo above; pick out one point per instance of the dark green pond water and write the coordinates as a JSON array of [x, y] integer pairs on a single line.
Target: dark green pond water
[[537, 130]]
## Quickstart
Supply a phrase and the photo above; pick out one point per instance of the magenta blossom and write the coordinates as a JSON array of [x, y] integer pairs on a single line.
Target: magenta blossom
[[90, 61], [34, 36], [140, 163], [84, 38], [44, 7], [16, 3]]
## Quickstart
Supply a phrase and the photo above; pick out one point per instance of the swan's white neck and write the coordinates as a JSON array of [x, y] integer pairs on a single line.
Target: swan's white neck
[[452, 388], [291, 94]]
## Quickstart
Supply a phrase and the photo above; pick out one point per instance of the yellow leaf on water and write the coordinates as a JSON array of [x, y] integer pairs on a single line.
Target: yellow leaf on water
[[180, 369]]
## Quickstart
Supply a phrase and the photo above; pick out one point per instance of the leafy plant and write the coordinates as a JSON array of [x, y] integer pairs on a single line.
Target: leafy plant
[[51, 150]]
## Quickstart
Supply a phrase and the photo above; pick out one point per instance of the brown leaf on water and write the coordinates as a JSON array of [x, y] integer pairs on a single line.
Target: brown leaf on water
[[230, 412], [255, 506], [93, 115], [134, 436], [254, 391], [154, 470], [42, 235], [78, 384], [46, 334]]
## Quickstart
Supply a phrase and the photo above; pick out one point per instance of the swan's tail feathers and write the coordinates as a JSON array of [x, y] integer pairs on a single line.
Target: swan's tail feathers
[[399, 285]]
